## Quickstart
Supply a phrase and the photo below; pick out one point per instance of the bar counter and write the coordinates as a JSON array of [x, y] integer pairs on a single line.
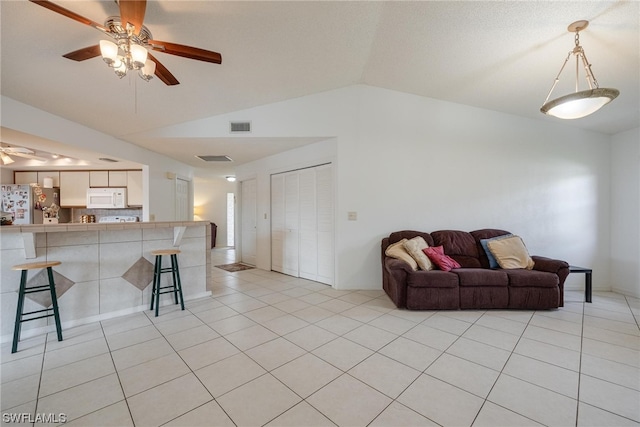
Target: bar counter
[[106, 269]]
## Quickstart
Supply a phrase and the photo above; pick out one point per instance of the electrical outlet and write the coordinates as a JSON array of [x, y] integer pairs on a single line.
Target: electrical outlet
[[352, 216]]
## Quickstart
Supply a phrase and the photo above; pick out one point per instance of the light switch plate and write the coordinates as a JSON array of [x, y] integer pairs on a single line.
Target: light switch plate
[[352, 216]]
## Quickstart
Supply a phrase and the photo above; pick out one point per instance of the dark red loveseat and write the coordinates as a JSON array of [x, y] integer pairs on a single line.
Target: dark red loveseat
[[474, 285]]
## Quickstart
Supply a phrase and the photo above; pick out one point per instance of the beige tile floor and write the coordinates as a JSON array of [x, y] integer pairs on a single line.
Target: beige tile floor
[[270, 349]]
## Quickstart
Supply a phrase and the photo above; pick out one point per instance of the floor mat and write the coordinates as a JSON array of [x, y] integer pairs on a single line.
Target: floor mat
[[237, 266]]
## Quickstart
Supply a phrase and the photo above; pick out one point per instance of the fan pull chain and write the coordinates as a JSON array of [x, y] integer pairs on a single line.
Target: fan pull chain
[[135, 96]]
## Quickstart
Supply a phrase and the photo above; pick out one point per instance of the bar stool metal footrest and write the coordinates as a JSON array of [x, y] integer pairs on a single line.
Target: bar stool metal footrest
[[175, 288], [23, 290]]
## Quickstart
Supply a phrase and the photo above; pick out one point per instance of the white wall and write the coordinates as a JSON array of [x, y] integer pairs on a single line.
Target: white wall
[[408, 162], [159, 191], [625, 213]]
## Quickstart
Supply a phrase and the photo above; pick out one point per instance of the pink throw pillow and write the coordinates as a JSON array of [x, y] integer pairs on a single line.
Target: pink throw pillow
[[437, 256]]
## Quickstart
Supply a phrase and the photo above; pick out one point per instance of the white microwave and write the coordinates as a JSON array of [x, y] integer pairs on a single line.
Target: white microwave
[[106, 198]]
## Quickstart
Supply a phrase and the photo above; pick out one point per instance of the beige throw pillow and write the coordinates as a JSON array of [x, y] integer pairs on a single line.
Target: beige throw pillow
[[511, 253], [414, 247], [398, 251]]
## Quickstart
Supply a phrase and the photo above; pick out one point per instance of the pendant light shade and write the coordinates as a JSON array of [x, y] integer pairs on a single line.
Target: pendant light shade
[[6, 160], [148, 70], [138, 55], [109, 51], [580, 103]]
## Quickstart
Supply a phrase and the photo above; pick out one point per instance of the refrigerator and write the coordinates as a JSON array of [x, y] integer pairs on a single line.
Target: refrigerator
[[33, 205]]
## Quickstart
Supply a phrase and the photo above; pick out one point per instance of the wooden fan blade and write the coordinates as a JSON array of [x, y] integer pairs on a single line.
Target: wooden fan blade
[[84, 53], [186, 51], [132, 11], [69, 14], [163, 74]]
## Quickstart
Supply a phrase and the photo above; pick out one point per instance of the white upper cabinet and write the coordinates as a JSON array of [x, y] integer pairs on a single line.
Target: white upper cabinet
[[99, 178], [73, 188], [117, 178]]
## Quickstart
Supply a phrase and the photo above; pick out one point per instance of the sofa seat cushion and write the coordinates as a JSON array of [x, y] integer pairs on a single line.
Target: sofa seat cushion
[[432, 279], [521, 278], [481, 277]]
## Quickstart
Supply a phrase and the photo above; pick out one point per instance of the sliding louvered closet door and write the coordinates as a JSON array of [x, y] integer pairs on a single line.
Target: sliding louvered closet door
[[302, 223]]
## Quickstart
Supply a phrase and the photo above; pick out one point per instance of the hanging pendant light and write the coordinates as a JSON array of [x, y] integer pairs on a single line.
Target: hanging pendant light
[[580, 103]]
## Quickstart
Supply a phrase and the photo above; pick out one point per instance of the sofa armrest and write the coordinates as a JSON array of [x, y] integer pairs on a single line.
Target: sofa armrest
[[556, 266], [549, 265], [394, 280], [397, 264]]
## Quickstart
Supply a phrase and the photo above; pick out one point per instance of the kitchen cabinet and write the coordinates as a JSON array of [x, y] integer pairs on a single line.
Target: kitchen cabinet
[[134, 188], [32, 177], [98, 178], [25, 177], [55, 175], [117, 178], [73, 188], [74, 184]]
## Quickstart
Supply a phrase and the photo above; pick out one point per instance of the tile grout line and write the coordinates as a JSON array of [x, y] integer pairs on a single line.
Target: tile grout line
[[486, 399], [213, 399], [44, 353], [115, 368], [580, 366]]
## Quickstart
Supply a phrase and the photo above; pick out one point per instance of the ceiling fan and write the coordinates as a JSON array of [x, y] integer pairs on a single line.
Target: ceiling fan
[[7, 152], [132, 42]]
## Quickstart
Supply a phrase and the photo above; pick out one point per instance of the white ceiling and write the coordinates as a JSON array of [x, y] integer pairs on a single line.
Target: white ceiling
[[496, 55]]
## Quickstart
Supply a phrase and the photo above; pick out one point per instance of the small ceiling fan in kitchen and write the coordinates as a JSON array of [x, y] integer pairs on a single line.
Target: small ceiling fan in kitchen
[[6, 153], [129, 50]]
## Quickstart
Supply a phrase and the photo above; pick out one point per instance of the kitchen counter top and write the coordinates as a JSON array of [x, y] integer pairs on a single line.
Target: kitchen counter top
[[53, 228]]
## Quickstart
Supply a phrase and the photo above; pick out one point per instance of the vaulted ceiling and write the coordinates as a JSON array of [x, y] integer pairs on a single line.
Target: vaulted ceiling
[[497, 55]]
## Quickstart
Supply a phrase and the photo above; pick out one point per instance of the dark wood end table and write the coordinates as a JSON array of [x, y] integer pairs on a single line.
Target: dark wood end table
[[587, 280]]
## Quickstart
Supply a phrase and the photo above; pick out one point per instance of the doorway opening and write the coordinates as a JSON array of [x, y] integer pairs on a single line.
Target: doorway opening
[[231, 201]]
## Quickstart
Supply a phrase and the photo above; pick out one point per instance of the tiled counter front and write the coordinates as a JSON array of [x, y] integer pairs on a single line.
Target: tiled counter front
[[106, 269]]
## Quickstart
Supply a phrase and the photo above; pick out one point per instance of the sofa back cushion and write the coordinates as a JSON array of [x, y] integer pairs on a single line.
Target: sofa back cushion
[[459, 245], [396, 236], [486, 233]]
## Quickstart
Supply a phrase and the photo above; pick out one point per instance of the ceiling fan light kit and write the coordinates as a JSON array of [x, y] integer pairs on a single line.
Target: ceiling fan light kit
[[580, 103], [133, 40], [6, 160], [129, 53], [7, 151]]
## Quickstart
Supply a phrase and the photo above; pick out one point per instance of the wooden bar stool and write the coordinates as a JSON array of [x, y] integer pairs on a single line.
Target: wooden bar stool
[[176, 288], [51, 287]]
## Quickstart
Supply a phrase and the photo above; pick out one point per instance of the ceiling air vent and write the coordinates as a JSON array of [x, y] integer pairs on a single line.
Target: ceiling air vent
[[215, 158], [239, 127]]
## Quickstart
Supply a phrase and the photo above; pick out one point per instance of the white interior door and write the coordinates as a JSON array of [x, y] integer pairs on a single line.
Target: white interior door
[[325, 224], [308, 250], [291, 224], [277, 223], [302, 225], [249, 221]]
